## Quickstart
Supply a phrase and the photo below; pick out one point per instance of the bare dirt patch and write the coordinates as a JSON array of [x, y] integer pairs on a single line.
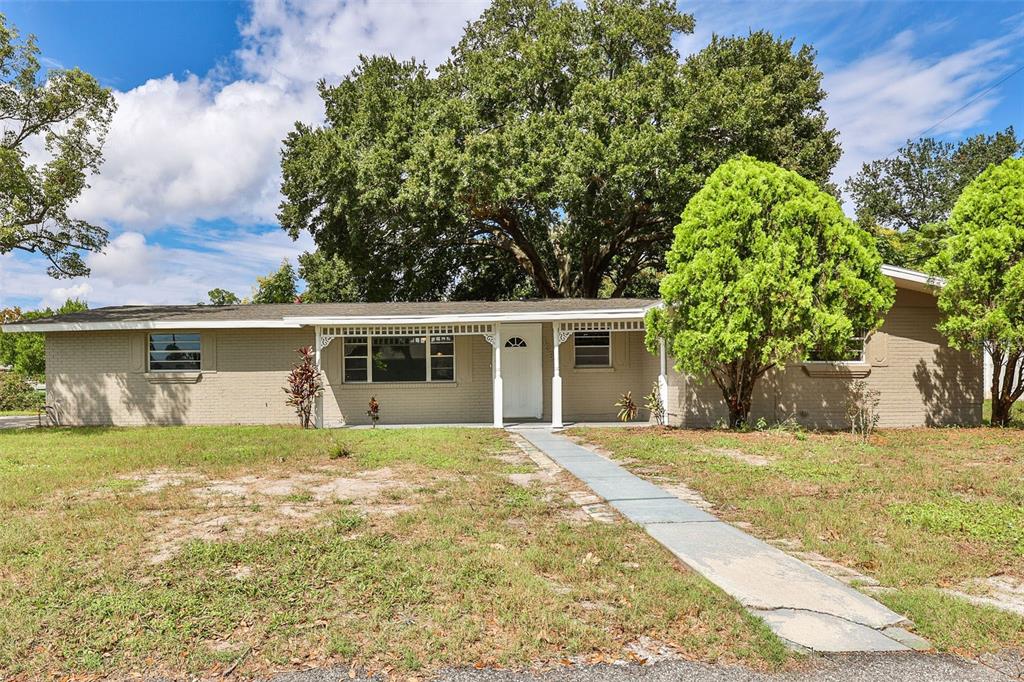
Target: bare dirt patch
[[584, 505], [1004, 592], [224, 509], [740, 456]]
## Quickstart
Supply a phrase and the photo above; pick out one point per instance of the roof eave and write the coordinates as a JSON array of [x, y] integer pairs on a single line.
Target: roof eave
[[554, 316], [145, 325], [913, 279], [297, 321]]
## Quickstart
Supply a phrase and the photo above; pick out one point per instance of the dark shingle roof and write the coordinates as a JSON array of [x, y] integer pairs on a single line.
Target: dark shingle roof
[[254, 312]]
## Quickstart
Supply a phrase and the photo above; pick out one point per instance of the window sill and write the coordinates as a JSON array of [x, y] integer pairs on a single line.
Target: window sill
[[391, 384], [844, 370], [593, 369], [173, 377]]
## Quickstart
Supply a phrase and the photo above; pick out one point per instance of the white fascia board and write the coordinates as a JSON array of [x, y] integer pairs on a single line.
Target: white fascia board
[[574, 315], [913, 279], [141, 325]]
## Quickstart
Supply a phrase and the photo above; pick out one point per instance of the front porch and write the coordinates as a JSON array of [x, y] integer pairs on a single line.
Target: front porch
[[494, 372]]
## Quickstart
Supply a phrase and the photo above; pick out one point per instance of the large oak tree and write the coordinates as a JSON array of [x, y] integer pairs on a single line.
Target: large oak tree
[[552, 153], [906, 198], [52, 128]]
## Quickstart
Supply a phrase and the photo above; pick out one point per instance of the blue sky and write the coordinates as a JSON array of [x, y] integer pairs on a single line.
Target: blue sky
[[206, 91]]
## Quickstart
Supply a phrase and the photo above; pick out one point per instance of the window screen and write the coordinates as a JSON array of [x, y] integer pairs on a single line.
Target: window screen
[[174, 352], [593, 349], [442, 358]]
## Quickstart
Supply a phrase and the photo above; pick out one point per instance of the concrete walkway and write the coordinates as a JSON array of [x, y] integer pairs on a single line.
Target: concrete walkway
[[801, 604], [18, 422]]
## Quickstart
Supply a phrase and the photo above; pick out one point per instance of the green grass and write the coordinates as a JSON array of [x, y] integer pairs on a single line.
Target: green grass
[[18, 413], [917, 509], [474, 570]]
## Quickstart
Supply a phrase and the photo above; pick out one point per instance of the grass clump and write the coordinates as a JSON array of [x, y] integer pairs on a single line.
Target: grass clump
[[951, 515]]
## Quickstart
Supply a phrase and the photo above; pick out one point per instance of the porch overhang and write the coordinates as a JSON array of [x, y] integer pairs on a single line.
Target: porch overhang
[[563, 325]]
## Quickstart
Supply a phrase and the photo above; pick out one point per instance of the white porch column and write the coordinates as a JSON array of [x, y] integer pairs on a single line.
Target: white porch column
[[499, 395], [318, 403], [556, 378], [663, 380]]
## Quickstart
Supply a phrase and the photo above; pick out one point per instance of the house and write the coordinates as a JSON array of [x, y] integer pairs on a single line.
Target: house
[[552, 361]]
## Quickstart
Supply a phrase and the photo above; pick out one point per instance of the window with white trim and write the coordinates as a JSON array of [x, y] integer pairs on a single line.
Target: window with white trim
[[593, 349], [375, 359], [174, 352], [853, 352]]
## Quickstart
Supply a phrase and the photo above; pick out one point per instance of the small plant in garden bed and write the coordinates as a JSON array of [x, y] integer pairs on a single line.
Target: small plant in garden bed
[[627, 407], [304, 386], [373, 411]]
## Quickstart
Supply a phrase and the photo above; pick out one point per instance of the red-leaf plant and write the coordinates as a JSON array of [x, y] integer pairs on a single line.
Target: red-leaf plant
[[304, 386]]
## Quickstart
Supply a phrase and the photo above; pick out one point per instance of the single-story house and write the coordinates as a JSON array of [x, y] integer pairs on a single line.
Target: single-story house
[[556, 361]]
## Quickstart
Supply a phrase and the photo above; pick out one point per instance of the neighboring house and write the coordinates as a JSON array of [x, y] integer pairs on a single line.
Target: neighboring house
[[486, 362]]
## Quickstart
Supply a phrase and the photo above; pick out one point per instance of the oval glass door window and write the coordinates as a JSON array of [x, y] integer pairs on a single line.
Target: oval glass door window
[[515, 342]]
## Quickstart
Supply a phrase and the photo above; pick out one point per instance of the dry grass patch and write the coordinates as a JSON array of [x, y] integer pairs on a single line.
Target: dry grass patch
[[919, 510], [184, 551]]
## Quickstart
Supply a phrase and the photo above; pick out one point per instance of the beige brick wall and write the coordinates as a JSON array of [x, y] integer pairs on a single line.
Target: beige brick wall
[[589, 394], [101, 378], [922, 381], [468, 399]]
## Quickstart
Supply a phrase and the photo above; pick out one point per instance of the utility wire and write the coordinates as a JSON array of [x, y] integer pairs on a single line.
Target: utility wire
[[965, 105]]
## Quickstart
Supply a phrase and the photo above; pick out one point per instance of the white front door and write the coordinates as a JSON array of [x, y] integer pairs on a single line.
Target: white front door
[[521, 370]]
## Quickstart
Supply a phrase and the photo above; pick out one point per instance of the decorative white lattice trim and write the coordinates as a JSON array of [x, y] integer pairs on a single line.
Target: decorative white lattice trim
[[562, 335], [329, 333], [600, 326]]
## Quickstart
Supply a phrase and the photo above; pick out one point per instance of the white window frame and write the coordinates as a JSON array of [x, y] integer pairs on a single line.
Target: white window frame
[[576, 365], [150, 351], [861, 359], [369, 359]]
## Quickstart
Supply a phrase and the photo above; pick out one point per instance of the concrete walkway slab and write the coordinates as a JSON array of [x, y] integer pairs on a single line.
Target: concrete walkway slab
[[760, 576], [822, 632], [660, 510], [801, 604], [625, 487]]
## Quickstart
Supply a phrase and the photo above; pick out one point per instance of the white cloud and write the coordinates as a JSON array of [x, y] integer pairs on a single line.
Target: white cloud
[[182, 150], [303, 41], [880, 100], [189, 149], [134, 271]]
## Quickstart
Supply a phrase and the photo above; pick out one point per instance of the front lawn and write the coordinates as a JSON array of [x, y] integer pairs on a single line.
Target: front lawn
[[203, 550], [918, 509]]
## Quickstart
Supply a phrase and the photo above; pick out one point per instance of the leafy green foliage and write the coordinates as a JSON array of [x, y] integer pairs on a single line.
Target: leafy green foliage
[[983, 261], [26, 352], [63, 118], [908, 197], [764, 268], [551, 154], [277, 287], [220, 296], [17, 393], [328, 279]]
